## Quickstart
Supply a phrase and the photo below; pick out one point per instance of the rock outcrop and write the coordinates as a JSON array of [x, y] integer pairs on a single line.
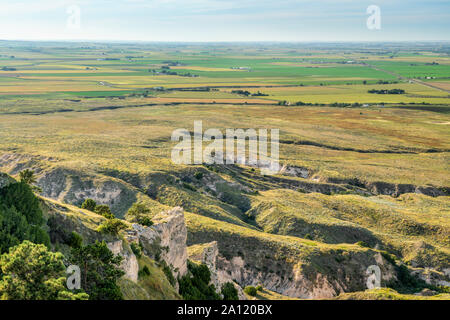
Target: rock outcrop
[[292, 269], [208, 254], [129, 263], [166, 239]]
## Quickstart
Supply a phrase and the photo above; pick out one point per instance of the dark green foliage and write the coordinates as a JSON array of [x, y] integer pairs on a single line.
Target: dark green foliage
[[146, 221], [229, 292], [31, 272], [259, 288], [241, 92], [144, 272], [386, 91], [250, 290], [407, 283], [27, 176], [21, 217], [389, 257], [198, 175], [89, 204], [112, 226], [20, 196], [308, 237], [363, 244], [189, 186], [169, 275], [138, 213], [99, 271], [75, 240], [195, 285], [105, 211], [233, 196], [136, 249]]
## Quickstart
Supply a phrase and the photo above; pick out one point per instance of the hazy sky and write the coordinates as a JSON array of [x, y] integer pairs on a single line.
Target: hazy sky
[[223, 20]]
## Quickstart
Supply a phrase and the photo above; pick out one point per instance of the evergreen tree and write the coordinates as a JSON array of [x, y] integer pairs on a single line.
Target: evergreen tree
[[31, 272], [99, 271]]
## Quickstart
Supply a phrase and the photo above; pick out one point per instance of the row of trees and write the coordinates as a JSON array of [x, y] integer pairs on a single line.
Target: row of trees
[[387, 91]]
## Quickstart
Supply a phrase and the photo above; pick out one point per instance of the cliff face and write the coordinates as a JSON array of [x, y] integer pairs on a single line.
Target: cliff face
[[129, 263], [208, 254], [301, 270], [74, 187], [166, 239], [299, 281]]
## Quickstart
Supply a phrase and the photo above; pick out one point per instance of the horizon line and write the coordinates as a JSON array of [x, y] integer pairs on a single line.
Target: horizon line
[[224, 41]]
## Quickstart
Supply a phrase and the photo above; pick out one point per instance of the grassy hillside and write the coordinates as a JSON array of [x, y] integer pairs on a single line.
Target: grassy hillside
[[364, 179]]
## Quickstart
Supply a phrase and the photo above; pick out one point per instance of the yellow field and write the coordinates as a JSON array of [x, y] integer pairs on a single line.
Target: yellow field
[[355, 93]]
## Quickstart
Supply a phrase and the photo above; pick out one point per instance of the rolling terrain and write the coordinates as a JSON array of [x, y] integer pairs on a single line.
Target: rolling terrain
[[364, 179]]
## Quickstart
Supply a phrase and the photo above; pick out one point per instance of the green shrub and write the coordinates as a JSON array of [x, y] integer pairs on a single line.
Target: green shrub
[[198, 175], [144, 272], [250, 290], [112, 226], [105, 211], [89, 204], [146, 221], [137, 213], [406, 282], [75, 240], [234, 197], [195, 285], [27, 176], [136, 249], [189, 186], [259, 288], [229, 292], [169, 275]]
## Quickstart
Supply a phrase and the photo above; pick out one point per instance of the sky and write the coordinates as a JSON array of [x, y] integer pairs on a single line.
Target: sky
[[225, 20]]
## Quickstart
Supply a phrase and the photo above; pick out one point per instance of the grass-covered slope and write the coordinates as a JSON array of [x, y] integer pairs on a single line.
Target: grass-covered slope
[[389, 294], [64, 219]]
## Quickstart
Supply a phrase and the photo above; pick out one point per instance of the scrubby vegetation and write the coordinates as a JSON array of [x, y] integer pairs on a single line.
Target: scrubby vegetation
[[21, 217], [139, 213], [100, 271], [229, 292], [250, 290], [31, 272], [112, 226], [195, 285]]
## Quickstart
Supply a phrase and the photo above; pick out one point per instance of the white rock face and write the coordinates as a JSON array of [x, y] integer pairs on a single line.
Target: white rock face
[[432, 276], [129, 263], [209, 257], [169, 233], [295, 171], [293, 283]]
